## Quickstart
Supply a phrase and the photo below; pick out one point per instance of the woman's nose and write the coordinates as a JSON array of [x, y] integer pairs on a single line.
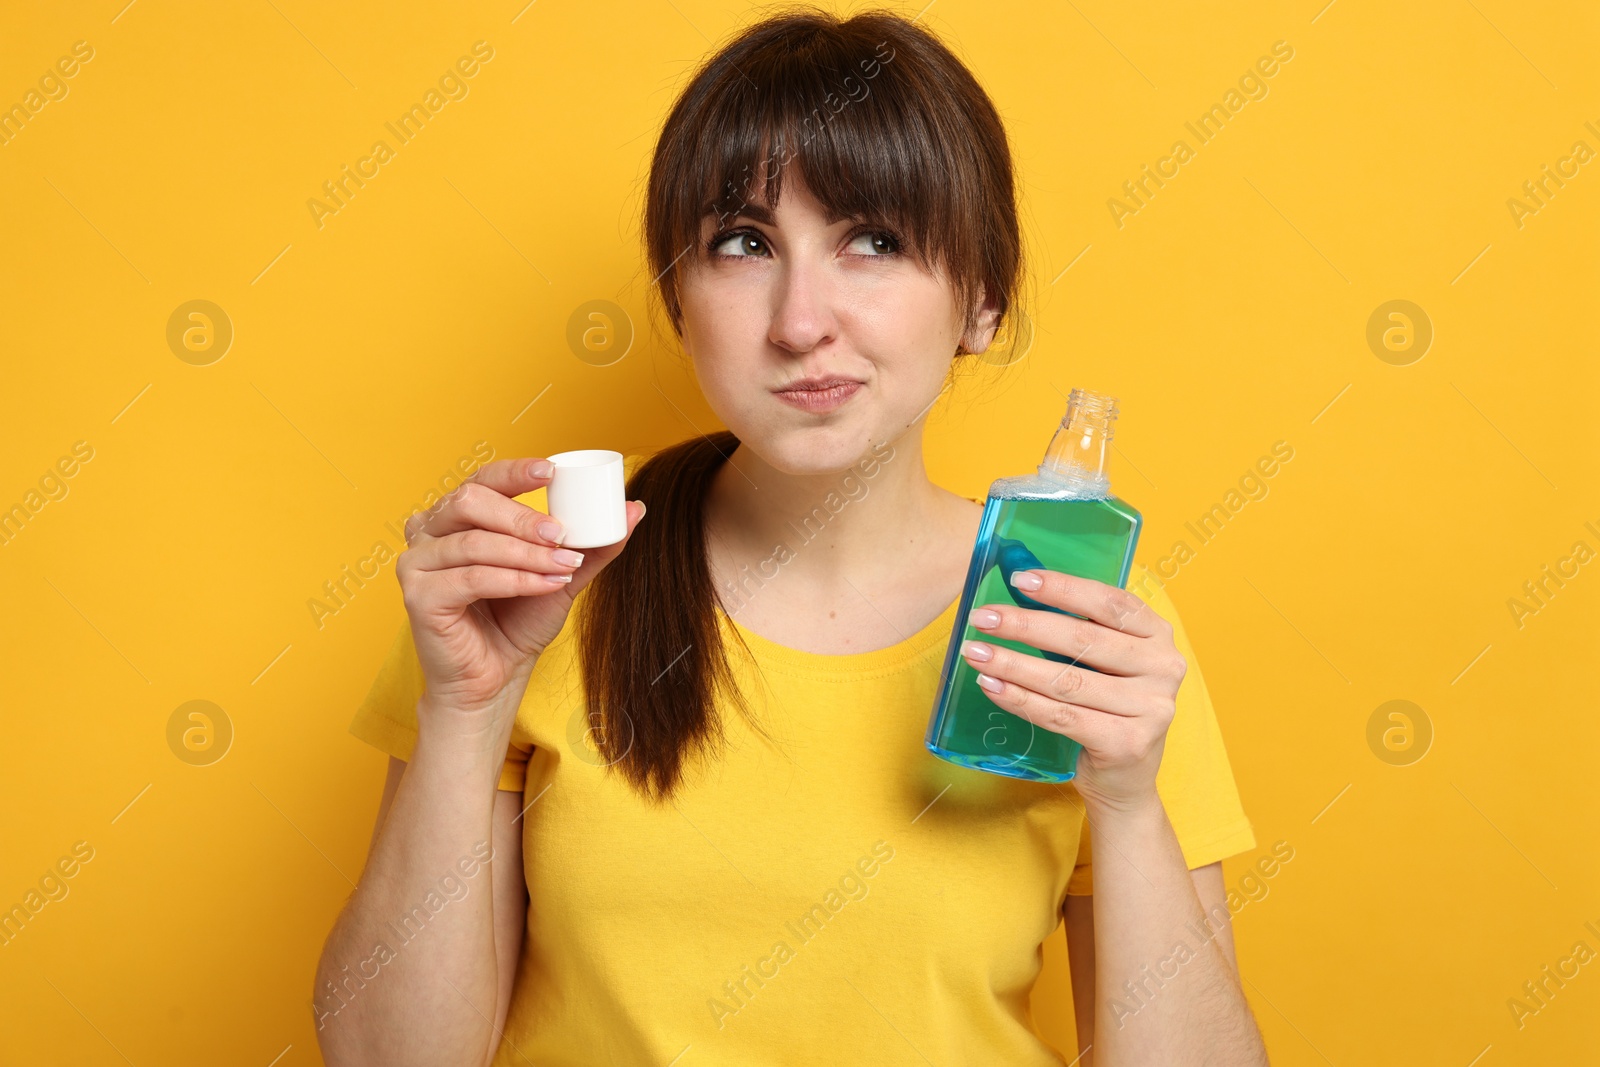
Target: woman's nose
[[803, 312]]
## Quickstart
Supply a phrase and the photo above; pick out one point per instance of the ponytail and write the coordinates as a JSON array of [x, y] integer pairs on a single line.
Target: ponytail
[[649, 636]]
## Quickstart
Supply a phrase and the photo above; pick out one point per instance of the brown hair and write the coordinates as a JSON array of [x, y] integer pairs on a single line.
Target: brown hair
[[885, 123]]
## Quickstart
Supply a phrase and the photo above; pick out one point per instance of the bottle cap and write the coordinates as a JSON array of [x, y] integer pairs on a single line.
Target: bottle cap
[[588, 495]]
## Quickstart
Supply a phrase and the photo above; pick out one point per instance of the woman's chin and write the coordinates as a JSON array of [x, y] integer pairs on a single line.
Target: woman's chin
[[815, 450]]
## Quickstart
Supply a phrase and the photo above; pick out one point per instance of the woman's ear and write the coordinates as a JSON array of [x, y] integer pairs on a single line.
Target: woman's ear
[[978, 338]]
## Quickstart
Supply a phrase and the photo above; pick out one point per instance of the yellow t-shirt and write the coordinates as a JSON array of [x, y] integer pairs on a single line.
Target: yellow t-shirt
[[844, 895]]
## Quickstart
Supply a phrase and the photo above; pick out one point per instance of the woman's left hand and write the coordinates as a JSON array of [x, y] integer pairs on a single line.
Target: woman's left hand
[[1118, 712]]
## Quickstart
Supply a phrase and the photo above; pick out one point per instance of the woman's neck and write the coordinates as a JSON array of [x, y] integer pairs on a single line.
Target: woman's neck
[[810, 541]]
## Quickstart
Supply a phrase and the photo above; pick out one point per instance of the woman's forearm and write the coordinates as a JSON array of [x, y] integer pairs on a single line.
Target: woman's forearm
[[1164, 992], [408, 974]]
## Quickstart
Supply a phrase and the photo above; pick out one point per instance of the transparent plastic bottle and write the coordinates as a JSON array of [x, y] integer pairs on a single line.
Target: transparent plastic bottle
[[1062, 519]]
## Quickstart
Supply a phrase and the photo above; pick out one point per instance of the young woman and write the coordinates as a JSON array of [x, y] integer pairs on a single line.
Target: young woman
[[667, 801]]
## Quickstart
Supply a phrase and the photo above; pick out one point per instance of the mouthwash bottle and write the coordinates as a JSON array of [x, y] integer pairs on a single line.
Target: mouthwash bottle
[[1063, 518]]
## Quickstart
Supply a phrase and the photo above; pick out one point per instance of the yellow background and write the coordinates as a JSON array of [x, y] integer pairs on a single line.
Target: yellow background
[[372, 353]]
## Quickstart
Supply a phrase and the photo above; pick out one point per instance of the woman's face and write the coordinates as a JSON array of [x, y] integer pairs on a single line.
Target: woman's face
[[789, 295]]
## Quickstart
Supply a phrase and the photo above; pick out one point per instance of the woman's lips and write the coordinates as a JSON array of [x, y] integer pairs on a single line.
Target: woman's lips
[[819, 400]]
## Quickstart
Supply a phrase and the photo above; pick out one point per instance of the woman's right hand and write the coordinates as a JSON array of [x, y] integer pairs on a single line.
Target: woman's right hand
[[487, 585]]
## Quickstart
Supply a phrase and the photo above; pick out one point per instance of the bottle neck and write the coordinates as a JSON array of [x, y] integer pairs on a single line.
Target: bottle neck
[[1080, 452]]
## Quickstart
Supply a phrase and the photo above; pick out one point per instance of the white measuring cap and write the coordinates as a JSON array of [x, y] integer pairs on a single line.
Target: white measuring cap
[[588, 495]]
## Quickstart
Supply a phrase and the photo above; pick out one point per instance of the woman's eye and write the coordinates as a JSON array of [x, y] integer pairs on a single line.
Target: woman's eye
[[744, 244], [875, 243], [737, 245]]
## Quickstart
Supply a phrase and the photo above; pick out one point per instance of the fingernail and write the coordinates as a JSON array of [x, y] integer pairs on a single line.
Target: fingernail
[[1026, 580], [642, 508], [559, 577], [541, 468], [991, 684], [977, 650], [567, 558], [983, 618], [552, 531]]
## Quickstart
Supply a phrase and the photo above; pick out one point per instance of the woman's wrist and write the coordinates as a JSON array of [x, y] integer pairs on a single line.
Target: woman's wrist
[[463, 743], [1145, 806]]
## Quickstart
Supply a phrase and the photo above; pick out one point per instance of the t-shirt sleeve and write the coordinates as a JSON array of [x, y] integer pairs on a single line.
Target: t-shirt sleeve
[[1195, 780], [387, 718]]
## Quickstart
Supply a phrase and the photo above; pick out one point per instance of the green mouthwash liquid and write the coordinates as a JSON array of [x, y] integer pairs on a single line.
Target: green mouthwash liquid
[[1062, 519]]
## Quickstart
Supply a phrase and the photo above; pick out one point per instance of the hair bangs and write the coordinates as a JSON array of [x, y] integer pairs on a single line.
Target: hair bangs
[[857, 109]]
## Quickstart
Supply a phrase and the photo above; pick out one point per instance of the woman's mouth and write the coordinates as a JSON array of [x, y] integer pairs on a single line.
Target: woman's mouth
[[819, 399]]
